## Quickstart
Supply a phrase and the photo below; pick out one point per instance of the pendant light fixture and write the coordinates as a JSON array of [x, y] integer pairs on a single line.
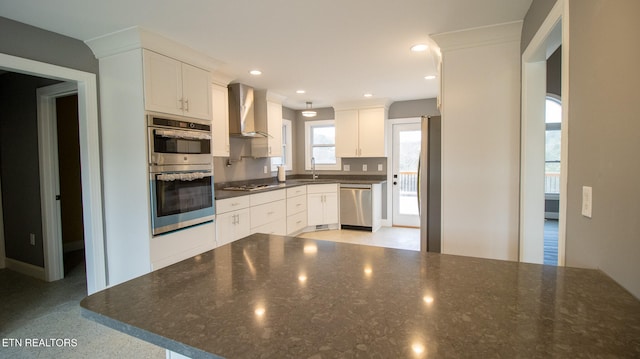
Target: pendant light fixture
[[309, 112]]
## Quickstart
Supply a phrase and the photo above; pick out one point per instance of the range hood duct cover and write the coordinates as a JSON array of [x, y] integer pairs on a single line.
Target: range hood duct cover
[[242, 122]]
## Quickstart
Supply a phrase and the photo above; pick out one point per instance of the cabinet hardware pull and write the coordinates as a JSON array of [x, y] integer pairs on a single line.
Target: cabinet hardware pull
[[187, 105], [181, 103]]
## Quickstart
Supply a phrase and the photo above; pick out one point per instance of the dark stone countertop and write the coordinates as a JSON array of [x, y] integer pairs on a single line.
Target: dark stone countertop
[[283, 297], [295, 181]]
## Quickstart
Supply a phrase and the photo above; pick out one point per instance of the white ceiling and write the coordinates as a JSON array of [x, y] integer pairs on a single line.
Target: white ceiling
[[336, 50]]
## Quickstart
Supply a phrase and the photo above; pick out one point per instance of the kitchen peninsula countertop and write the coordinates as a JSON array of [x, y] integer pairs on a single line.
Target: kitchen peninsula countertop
[[267, 296], [294, 181]]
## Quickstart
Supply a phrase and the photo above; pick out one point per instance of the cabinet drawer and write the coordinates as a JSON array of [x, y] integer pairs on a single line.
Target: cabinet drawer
[[296, 222], [278, 227], [296, 191], [268, 212], [265, 197], [232, 204], [296, 205], [322, 188]]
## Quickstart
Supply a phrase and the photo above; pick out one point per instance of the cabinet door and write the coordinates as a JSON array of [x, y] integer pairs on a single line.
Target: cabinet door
[[330, 208], [220, 120], [346, 133], [274, 115], [371, 132], [243, 224], [225, 228], [162, 83], [315, 209], [196, 92]]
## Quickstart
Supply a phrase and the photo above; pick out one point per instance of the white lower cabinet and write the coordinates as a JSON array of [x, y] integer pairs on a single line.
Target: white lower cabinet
[[173, 247], [233, 219], [268, 212], [296, 209], [322, 204]]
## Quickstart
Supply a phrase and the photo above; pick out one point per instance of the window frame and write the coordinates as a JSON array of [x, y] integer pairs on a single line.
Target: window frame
[[287, 147], [308, 125]]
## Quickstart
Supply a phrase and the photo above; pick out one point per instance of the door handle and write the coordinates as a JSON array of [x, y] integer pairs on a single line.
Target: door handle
[[57, 197]]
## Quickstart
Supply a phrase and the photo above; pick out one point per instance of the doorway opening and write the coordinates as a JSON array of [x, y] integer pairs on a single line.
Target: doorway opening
[[553, 138], [86, 83], [552, 36], [70, 191]]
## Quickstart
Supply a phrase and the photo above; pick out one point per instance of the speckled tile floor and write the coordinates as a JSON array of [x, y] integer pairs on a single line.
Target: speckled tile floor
[[388, 237], [33, 309]]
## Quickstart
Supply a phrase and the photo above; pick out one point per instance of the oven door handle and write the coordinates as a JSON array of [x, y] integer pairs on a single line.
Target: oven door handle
[[182, 134], [189, 176]]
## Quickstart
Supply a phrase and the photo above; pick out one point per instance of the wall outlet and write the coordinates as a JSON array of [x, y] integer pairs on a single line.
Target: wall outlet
[[265, 169], [346, 167], [32, 239], [364, 168], [379, 166], [587, 197]]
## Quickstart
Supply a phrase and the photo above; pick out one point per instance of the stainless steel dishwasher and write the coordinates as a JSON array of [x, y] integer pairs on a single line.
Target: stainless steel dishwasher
[[355, 206]]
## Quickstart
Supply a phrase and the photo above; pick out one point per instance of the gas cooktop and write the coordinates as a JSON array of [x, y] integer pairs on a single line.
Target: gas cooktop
[[249, 187]]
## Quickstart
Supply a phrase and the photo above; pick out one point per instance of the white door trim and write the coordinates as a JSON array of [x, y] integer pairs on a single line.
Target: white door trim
[[89, 158], [553, 32], [50, 177]]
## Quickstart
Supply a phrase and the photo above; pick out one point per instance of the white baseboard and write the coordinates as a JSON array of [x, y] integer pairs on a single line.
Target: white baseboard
[[26, 268]]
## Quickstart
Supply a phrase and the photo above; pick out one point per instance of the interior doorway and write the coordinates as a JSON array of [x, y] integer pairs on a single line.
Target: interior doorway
[[552, 35], [96, 273], [70, 191], [406, 144]]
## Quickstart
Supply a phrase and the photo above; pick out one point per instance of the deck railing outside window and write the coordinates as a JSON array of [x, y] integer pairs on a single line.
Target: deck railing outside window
[[551, 183], [408, 182]]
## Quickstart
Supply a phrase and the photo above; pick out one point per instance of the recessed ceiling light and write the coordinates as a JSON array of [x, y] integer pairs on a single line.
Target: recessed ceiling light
[[368, 95], [255, 72], [430, 77], [300, 91], [419, 47]]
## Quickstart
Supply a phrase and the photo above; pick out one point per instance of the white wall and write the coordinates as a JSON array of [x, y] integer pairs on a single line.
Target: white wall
[[480, 141]]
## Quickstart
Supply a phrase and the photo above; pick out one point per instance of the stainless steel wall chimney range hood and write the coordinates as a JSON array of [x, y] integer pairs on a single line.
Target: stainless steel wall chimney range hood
[[242, 122]]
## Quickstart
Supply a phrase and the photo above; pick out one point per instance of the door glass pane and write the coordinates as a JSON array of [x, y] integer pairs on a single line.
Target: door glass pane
[[409, 153]]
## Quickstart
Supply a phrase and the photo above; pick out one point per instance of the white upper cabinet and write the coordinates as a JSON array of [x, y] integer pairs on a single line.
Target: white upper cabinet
[[268, 119], [220, 120], [176, 88], [361, 132]]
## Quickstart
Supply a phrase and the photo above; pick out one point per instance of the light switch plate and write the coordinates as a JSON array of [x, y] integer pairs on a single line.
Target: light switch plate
[[346, 167], [379, 166], [265, 169], [587, 198], [364, 168]]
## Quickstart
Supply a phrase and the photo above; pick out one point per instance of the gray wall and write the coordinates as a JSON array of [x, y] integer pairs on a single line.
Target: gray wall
[[30, 42], [17, 106], [554, 72], [603, 135], [19, 166], [413, 108], [533, 19]]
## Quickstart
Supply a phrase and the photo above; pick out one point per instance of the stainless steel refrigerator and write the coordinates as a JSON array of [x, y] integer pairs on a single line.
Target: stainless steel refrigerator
[[429, 178]]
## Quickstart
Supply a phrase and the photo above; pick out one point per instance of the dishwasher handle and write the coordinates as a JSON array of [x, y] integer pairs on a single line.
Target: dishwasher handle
[[355, 186]]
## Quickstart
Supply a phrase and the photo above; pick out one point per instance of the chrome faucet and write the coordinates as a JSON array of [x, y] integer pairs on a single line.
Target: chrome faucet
[[313, 168]]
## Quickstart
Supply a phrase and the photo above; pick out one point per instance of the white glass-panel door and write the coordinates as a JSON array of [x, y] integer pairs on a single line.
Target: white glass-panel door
[[406, 153]]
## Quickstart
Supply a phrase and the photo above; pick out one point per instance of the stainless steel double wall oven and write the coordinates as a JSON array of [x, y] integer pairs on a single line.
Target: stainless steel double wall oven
[[180, 173]]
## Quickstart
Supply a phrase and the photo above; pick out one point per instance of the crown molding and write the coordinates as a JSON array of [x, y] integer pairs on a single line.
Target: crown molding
[[137, 37], [362, 104], [479, 36]]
